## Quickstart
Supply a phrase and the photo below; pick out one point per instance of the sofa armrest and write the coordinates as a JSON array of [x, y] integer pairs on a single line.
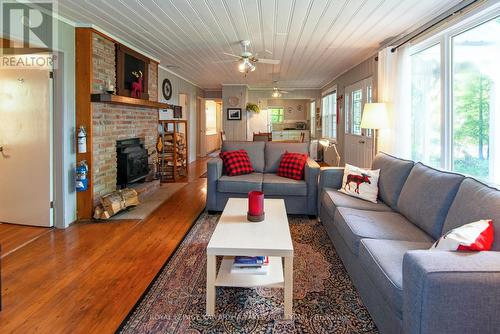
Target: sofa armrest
[[214, 173], [311, 174], [331, 177], [451, 292]]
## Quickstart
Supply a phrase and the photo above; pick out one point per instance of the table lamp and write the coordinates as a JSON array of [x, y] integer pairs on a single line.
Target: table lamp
[[375, 118]]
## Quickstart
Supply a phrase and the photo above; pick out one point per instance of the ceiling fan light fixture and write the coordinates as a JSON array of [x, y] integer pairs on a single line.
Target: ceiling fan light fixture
[[246, 66]]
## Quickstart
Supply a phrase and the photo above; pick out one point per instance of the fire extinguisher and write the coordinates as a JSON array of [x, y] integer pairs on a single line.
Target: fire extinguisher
[[82, 140], [82, 183]]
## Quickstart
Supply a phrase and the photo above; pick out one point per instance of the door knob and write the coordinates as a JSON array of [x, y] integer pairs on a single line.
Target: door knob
[[361, 141]]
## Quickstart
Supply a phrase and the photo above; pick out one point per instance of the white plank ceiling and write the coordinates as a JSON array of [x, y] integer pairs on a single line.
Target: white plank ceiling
[[316, 40]]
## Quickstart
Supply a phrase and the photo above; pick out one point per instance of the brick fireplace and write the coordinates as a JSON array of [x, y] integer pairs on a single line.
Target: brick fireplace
[[111, 122]]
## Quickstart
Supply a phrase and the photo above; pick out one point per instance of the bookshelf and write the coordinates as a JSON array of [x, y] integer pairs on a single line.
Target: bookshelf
[[173, 150]]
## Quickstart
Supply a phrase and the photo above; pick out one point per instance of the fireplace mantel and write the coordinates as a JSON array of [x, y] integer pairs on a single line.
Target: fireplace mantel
[[129, 101]]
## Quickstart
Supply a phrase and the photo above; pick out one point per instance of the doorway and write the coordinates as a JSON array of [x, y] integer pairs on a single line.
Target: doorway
[[209, 126], [358, 147], [26, 147]]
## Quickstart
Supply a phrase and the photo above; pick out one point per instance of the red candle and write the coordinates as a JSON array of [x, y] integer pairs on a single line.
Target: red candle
[[255, 203]]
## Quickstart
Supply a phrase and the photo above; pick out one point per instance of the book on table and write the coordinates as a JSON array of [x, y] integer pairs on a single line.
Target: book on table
[[255, 265]]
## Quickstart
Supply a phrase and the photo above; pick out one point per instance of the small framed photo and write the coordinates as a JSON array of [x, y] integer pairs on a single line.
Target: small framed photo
[[177, 112], [233, 114]]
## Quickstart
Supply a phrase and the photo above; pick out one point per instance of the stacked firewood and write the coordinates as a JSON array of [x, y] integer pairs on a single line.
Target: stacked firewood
[[173, 145], [115, 202]]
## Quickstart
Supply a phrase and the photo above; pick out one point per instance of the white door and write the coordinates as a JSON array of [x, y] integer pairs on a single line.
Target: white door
[[25, 138], [358, 143]]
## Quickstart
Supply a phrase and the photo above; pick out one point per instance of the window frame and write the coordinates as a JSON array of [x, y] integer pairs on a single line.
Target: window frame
[[445, 40], [281, 114], [327, 94]]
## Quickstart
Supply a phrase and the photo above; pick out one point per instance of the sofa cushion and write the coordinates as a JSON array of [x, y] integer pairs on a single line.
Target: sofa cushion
[[383, 263], [354, 225], [393, 175], [274, 151], [282, 186], [475, 201], [292, 165], [255, 151], [426, 197], [240, 184], [332, 198], [236, 162]]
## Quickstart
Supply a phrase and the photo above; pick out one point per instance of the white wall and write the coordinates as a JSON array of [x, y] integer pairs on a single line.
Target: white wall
[[181, 86], [235, 129], [66, 45]]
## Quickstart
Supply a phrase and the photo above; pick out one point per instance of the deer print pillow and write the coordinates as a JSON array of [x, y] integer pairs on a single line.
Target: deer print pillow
[[361, 183]]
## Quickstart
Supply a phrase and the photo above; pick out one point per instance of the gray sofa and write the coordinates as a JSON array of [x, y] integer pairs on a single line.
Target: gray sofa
[[384, 246], [300, 196]]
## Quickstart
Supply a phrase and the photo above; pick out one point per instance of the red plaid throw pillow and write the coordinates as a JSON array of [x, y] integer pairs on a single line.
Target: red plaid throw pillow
[[292, 165], [236, 162]]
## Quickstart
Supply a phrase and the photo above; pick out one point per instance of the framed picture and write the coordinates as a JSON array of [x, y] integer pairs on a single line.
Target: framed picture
[[233, 114], [177, 112]]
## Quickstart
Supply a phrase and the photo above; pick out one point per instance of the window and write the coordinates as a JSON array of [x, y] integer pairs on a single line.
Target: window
[[426, 105], [277, 115], [455, 99], [356, 96], [312, 113], [475, 71], [329, 115]]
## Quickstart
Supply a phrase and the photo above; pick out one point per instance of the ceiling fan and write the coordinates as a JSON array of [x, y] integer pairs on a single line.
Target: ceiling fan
[[247, 60], [277, 92]]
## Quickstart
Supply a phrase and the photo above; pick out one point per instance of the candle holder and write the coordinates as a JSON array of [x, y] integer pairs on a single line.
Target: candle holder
[[255, 206]]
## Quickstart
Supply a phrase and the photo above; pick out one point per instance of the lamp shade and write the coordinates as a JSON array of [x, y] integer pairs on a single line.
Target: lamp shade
[[374, 116]]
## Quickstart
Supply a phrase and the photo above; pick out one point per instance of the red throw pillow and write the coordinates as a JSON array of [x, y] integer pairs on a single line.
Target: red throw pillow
[[292, 165], [236, 162], [477, 236]]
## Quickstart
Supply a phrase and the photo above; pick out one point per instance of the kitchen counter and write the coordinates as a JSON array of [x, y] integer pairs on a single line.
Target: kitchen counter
[[286, 135]]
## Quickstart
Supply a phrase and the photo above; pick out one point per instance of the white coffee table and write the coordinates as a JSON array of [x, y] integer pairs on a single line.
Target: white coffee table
[[235, 236]]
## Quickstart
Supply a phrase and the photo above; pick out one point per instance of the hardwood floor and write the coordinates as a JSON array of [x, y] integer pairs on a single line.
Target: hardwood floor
[[86, 278], [13, 237]]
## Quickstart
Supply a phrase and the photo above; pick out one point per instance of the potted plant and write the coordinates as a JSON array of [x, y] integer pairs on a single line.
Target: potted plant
[[253, 107]]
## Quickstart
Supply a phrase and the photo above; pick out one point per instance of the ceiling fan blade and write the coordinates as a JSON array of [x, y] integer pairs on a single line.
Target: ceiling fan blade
[[224, 61], [268, 61], [284, 91], [231, 55]]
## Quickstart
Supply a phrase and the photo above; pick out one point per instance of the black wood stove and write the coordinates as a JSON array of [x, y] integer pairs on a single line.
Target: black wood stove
[[132, 160]]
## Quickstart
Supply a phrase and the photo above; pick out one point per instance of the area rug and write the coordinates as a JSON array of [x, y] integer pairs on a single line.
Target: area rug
[[325, 301]]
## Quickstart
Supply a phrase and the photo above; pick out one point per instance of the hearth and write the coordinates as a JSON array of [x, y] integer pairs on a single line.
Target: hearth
[[132, 160]]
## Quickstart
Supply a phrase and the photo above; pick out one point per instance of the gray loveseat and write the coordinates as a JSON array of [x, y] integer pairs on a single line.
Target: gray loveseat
[[384, 246], [300, 196]]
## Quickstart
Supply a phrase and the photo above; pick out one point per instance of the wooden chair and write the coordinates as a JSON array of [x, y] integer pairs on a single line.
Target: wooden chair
[[302, 137]]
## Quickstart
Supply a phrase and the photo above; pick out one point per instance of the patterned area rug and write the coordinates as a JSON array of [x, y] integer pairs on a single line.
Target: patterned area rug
[[325, 301]]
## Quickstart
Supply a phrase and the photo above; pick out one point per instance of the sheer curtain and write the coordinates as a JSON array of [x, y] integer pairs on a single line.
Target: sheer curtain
[[394, 88]]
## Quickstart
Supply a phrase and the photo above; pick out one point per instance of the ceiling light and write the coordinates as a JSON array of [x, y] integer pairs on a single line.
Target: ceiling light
[[246, 66], [276, 93]]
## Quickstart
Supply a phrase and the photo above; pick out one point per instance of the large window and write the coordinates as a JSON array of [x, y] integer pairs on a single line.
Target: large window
[[476, 70], [277, 115], [329, 115], [456, 100]]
